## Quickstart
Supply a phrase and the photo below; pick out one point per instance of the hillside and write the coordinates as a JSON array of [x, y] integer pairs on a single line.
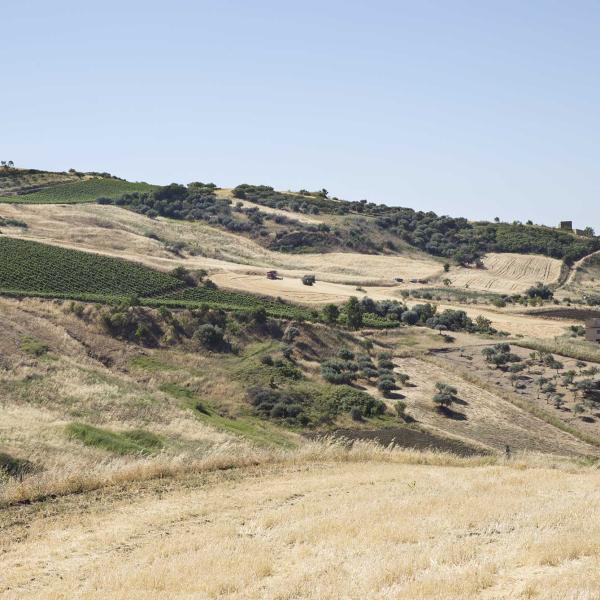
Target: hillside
[[285, 221], [239, 264], [77, 379], [144, 353]]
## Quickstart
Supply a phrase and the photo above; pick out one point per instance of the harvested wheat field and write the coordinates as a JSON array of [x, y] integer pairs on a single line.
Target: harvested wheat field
[[523, 323], [373, 524], [507, 273], [293, 290]]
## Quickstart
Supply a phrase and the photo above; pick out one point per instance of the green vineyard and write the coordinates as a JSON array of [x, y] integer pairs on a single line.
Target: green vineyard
[[88, 190], [31, 268]]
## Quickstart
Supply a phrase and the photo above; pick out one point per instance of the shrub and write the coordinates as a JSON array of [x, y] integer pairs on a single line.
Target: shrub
[[183, 274], [259, 315], [368, 373], [290, 334], [400, 408], [267, 359], [14, 467], [132, 323], [410, 317], [403, 378], [209, 336], [540, 290], [386, 386], [343, 399], [354, 313], [445, 395], [356, 414], [500, 355], [331, 313], [339, 371], [337, 376], [279, 404], [32, 346], [387, 365]]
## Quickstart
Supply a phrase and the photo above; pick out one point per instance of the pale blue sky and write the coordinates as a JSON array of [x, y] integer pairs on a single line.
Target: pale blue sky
[[476, 109]]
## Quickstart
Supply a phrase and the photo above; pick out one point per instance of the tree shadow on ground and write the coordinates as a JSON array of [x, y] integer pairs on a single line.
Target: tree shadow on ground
[[452, 414]]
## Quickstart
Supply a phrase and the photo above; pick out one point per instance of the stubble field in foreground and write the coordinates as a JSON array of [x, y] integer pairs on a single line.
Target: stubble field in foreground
[[378, 528]]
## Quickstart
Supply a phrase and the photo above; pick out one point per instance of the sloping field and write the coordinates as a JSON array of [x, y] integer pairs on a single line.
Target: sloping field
[[110, 229], [292, 288], [41, 395], [481, 416], [507, 273], [87, 190], [369, 528], [517, 323]]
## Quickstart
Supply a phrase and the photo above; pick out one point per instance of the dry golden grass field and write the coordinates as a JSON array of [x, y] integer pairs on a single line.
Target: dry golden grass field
[[322, 523], [117, 232]]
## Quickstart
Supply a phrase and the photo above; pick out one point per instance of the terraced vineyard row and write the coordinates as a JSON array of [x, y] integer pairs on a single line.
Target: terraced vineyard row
[[88, 190], [227, 300], [32, 268], [231, 301]]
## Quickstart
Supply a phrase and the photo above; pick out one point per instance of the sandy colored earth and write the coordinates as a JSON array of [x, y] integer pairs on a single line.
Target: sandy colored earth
[[323, 292], [516, 324]]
